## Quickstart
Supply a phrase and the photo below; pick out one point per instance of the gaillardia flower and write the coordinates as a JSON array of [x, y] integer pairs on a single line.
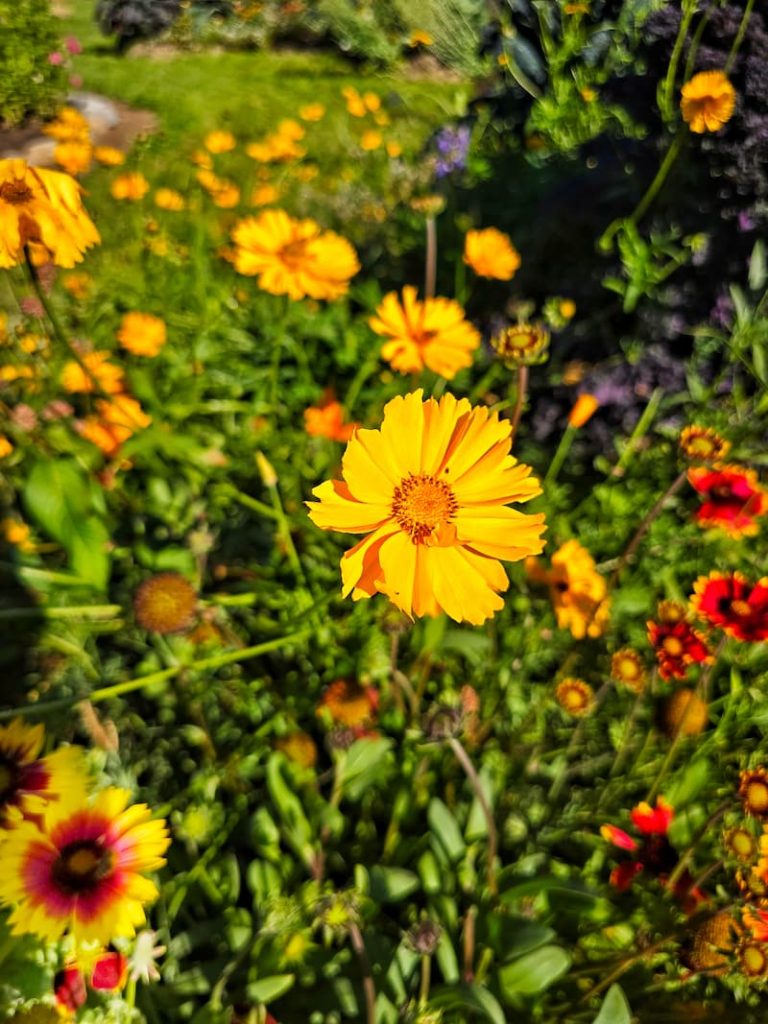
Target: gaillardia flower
[[522, 344], [490, 253], [43, 208], [733, 604], [677, 646], [733, 498], [430, 490], [28, 782], [293, 257], [576, 588], [575, 696], [627, 668], [753, 790], [708, 101], [348, 703], [702, 444], [82, 869], [432, 333]]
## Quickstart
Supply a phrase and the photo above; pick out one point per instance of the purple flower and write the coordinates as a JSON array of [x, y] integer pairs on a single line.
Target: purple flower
[[722, 312], [452, 145]]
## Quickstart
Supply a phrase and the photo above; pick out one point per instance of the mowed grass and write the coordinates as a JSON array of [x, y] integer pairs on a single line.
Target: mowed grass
[[249, 92]]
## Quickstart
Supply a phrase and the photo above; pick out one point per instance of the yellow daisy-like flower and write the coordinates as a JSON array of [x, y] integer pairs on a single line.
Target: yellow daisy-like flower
[[132, 186], [430, 489], [293, 257], [81, 869], [108, 156], [702, 444], [28, 782], [116, 421], [142, 334], [73, 157], [753, 790], [708, 101], [312, 112], [741, 844], [576, 588], [94, 372], [264, 195], [69, 125], [165, 603], [17, 533], [490, 253], [220, 142], [394, 149], [371, 140], [169, 199], [432, 333], [43, 209], [420, 37], [6, 448], [627, 668], [575, 696]]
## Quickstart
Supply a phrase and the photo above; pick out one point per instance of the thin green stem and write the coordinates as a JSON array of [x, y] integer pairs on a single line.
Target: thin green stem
[[426, 974], [661, 176], [131, 685], [645, 525], [520, 396], [668, 86], [430, 270], [560, 455], [493, 837], [86, 612], [739, 39]]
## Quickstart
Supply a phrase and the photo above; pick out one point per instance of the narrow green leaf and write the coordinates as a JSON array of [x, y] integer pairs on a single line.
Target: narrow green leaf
[[615, 1008]]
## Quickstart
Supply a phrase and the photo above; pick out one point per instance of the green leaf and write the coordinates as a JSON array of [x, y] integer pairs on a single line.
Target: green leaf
[[445, 830], [615, 1008], [757, 267], [477, 826], [363, 766], [87, 549], [692, 782], [445, 955], [468, 997], [390, 885], [532, 973], [266, 990], [288, 805]]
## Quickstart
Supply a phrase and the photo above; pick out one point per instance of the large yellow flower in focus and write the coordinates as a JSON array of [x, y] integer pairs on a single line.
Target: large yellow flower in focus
[[576, 588], [490, 253], [708, 101], [430, 489], [431, 333], [41, 207], [80, 868], [293, 257]]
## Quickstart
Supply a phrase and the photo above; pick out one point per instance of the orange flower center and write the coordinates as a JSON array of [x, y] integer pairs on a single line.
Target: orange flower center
[[673, 646], [628, 669], [420, 504], [757, 796], [17, 193], [742, 844], [294, 254], [81, 866], [740, 608], [573, 699], [753, 960]]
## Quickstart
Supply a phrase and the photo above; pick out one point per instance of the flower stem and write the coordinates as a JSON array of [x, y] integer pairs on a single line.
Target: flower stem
[[520, 396], [739, 39], [645, 525], [493, 837], [685, 858], [426, 974], [97, 612], [560, 455], [119, 689], [668, 86], [430, 271], [369, 987], [661, 176]]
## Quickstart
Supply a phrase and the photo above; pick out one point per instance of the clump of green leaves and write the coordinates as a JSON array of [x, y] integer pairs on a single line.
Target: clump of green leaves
[[29, 83]]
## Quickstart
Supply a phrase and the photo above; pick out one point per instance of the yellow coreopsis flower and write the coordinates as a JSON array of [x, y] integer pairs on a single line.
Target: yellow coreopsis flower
[[708, 101], [43, 209], [115, 421], [108, 156], [490, 253], [220, 142], [81, 868], [433, 333], [169, 199], [371, 140], [142, 333], [6, 448], [312, 112], [293, 257], [93, 372], [73, 157], [430, 490], [132, 186], [576, 588]]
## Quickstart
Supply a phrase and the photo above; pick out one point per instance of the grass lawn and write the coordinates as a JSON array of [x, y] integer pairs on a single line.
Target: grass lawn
[[249, 92]]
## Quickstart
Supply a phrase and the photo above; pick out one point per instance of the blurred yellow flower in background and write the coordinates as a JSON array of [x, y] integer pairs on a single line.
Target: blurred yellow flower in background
[[490, 253], [708, 101], [142, 334]]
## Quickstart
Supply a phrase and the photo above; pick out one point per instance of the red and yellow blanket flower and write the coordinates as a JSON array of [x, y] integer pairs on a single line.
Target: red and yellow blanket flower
[[676, 643], [42, 208], [430, 489], [733, 500], [293, 257], [702, 444], [433, 333], [576, 589], [82, 868], [29, 782], [730, 602]]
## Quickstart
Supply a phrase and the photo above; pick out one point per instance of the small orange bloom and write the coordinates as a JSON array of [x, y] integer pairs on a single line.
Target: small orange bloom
[[708, 101], [117, 420], [349, 704], [131, 186], [169, 199], [327, 420], [220, 142], [108, 156], [583, 410], [94, 372], [142, 334], [490, 253]]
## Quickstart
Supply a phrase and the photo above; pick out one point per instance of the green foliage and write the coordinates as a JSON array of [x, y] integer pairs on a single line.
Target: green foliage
[[30, 85]]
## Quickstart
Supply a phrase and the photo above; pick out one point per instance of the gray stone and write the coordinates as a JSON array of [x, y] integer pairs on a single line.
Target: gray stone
[[39, 152], [99, 112]]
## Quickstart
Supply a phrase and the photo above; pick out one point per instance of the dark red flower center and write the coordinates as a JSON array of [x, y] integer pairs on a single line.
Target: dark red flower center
[[81, 866]]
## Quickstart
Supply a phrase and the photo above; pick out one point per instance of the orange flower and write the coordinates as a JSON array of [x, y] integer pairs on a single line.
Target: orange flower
[[327, 420], [117, 420], [94, 372], [582, 411], [432, 333], [109, 156], [678, 646], [169, 199], [132, 186], [394, 150], [349, 704], [142, 334], [576, 589], [219, 142], [575, 696], [264, 195], [312, 112], [731, 603], [627, 668], [708, 101], [165, 603], [371, 140], [73, 157], [490, 253]]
